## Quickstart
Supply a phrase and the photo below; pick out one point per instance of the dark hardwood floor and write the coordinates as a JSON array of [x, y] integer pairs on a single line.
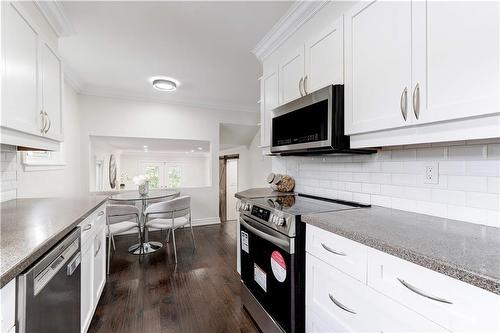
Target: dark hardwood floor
[[150, 293]]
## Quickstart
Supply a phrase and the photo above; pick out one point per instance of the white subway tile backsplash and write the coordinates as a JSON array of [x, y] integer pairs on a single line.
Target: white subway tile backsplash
[[432, 154], [483, 168], [494, 184], [8, 174], [468, 183], [468, 188], [494, 151], [483, 200], [473, 152]]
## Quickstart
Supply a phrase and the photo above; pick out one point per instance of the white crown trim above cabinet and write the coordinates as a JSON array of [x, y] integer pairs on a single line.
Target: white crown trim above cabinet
[[32, 97]]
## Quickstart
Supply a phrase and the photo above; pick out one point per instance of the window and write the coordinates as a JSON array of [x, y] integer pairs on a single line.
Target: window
[[43, 160], [163, 174]]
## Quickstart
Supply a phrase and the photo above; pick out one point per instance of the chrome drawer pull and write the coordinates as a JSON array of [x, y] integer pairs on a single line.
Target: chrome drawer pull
[[403, 103], [329, 249], [421, 293], [87, 227], [340, 305], [416, 101]]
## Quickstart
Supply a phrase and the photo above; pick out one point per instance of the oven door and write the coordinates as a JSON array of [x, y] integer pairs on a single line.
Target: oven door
[[267, 266]]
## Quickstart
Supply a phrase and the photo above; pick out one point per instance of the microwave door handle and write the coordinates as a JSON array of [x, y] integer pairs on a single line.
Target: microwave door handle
[[275, 240]]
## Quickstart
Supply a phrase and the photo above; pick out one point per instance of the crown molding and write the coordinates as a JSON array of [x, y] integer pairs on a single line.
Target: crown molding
[[298, 14], [191, 104], [53, 12]]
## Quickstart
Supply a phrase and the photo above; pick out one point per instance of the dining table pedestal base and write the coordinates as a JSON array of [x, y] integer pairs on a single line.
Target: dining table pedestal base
[[145, 248]]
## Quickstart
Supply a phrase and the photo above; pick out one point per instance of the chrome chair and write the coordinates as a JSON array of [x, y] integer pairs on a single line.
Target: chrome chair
[[119, 218], [170, 215]]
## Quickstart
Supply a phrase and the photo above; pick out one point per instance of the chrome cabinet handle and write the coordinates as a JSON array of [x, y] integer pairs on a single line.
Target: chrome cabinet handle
[[329, 249], [98, 249], [416, 101], [301, 81], [44, 123], [305, 85], [50, 123], [403, 103], [87, 227], [340, 305], [421, 293]]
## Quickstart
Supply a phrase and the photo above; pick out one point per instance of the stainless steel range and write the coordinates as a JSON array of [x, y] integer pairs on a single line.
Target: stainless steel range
[[273, 257]]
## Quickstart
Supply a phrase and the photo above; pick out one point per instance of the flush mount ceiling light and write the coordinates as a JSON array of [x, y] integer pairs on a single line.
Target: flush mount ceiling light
[[164, 84]]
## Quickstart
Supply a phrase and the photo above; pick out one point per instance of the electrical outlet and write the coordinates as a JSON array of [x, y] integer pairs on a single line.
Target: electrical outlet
[[431, 173]]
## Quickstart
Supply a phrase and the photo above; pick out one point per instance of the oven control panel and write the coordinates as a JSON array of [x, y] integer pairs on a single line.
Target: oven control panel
[[261, 213]]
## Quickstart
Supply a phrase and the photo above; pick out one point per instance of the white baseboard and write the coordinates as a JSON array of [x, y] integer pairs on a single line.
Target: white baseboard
[[196, 223]]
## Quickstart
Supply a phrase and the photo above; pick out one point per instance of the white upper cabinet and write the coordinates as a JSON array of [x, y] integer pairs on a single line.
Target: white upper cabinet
[[31, 79], [421, 62], [51, 77], [456, 58], [291, 76], [324, 58], [19, 81], [269, 100], [378, 66]]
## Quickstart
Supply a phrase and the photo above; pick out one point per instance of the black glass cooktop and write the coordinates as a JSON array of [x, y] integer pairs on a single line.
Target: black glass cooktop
[[303, 205]]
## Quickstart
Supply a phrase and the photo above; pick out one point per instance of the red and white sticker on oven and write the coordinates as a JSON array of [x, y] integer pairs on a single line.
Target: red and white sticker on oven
[[278, 266]]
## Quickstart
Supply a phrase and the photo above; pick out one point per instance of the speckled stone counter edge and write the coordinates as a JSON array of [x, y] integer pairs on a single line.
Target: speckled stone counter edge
[[34, 256], [454, 271]]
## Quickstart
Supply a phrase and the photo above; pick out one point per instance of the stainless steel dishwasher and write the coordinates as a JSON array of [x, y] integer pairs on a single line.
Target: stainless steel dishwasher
[[49, 292]]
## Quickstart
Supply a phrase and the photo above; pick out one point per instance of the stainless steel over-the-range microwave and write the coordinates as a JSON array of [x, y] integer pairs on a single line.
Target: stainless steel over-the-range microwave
[[312, 124]]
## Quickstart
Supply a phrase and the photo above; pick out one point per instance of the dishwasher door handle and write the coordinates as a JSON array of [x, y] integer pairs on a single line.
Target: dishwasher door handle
[[73, 265]]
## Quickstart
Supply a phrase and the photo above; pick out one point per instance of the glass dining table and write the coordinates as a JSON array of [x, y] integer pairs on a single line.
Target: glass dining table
[[145, 246]]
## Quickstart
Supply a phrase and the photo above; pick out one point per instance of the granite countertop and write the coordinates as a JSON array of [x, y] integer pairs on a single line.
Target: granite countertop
[[29, 227], [260, 193], [465, 251]]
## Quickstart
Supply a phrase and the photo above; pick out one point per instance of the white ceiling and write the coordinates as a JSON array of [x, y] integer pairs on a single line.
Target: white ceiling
[[119, 46], [130, 144]]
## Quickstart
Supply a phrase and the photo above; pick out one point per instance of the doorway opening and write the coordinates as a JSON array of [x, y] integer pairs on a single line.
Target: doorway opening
[[228, 186]]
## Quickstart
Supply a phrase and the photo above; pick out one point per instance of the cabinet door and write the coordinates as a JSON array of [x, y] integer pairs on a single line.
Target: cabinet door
[[378, 66], [20, 71], [51, 78], [456, 58], [87, 285], [99, 264], [291, 75], [324, 56], [269, 100]]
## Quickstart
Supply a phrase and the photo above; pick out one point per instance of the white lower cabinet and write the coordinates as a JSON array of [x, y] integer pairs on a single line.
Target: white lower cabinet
[[336, 302], [87, 285], [395, 295], [8, 307], [93, 264]]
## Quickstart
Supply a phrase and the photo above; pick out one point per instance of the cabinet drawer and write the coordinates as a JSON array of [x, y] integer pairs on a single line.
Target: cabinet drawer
[[451, 303], [92, 224], [336, 302], [342, 253]]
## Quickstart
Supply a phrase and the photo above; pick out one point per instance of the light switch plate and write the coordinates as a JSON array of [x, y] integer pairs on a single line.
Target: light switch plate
[[431, 173]]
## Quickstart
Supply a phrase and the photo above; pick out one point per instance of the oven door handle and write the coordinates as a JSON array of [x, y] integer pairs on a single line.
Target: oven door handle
[[275, 240]]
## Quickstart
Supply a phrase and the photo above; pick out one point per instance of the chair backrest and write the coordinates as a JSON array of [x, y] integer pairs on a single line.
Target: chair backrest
[[177, 207], [120, 213], [153, 201]]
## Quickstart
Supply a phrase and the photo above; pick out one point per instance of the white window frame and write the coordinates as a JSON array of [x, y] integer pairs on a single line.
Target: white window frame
[[163, 170], [43, 160]]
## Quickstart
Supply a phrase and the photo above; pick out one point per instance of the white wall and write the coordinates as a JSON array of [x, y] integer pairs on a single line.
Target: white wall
[[468, 189], [253, 167], [66, 181], [125, 118]]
